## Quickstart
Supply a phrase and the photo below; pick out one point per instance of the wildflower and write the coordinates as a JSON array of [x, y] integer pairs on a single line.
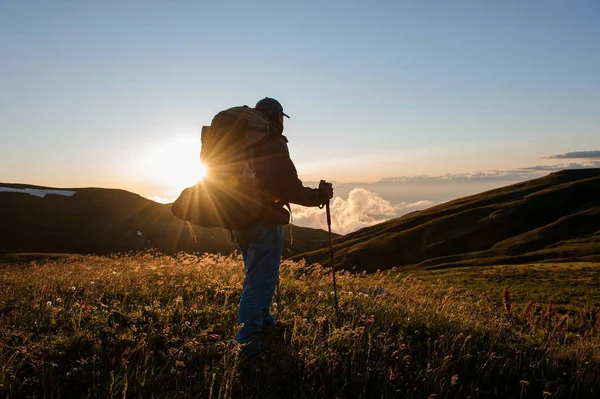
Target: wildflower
[[506, 300], [454, 380], [391, 375]]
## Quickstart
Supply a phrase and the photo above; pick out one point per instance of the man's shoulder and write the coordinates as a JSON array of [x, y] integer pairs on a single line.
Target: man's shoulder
[[274, 147], [278, 138]]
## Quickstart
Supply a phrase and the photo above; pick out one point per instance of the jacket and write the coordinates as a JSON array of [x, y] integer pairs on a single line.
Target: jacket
[[279, 181]]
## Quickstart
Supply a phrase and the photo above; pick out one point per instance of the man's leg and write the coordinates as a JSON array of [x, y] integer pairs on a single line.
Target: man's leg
[[263, 256]]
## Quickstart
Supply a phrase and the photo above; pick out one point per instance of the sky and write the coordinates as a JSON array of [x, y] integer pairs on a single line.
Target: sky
[[405, 102]]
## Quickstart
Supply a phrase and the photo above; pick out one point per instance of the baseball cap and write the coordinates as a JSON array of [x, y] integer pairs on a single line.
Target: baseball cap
[[271, 105]]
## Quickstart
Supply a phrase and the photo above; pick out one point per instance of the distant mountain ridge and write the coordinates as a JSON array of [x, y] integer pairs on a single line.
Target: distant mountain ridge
[[556, 217], [103, 221]]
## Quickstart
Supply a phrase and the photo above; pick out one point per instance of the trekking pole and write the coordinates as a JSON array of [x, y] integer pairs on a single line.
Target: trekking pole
[[335, 298], [278, 299]]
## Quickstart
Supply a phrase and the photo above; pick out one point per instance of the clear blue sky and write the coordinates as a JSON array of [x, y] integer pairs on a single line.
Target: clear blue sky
[[113, 93]]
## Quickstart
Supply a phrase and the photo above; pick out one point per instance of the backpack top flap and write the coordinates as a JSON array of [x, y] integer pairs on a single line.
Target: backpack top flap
[[226, 141]]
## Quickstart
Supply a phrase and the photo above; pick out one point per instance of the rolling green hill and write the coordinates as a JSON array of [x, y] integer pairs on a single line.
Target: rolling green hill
[[556, 218], [102, 221]]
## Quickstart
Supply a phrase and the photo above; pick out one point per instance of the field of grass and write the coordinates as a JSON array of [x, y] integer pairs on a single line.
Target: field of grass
[[569, 287], [148, 325]]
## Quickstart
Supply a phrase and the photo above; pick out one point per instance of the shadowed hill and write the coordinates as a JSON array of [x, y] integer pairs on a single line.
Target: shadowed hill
[[103, 221], [555, 217]]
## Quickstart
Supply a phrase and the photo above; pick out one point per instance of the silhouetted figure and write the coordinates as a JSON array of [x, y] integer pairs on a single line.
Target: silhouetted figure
[[261, 243]]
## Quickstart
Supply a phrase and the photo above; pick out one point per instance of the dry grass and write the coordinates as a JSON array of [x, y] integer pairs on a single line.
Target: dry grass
[[148, 325]]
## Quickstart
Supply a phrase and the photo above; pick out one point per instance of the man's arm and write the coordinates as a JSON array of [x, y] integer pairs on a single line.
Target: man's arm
[[285, 183]]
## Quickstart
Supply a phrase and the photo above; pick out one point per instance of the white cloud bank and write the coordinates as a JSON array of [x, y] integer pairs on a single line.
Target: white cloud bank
[[362, 208], [365, 207], [161, 200]]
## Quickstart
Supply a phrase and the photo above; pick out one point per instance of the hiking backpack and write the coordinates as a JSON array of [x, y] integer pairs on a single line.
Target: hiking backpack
[[229, 197]]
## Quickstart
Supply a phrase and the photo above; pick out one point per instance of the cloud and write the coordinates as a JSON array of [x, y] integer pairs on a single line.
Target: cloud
[[486, 176], [563, 166], [576, 155], [362, 208], [162, 200], [510, 175]]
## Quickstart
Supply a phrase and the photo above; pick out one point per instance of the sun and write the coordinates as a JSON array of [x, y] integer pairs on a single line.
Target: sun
[[202, 171], [173, 164]]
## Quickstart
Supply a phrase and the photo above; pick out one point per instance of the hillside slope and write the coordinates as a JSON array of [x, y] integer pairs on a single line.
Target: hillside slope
[[102, 221], [555, 217]]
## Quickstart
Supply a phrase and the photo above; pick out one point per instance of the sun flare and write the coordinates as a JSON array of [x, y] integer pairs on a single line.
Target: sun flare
[[173, 164], [202, 171]]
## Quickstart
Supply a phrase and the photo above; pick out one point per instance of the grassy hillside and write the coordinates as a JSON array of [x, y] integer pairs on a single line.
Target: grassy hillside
[[103, 221], [556, 217], [158, 326], [569, 287]]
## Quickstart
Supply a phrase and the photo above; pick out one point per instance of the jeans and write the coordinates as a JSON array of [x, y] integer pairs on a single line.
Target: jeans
[[261, 245]]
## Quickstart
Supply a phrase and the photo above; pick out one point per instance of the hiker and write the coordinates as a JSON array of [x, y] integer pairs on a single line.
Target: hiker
[[261, 243]]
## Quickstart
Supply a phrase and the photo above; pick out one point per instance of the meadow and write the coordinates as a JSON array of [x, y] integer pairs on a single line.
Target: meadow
[[569, 287], [153, 326]]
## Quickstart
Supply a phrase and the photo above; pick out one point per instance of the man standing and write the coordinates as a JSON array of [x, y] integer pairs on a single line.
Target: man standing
[[262, 242]]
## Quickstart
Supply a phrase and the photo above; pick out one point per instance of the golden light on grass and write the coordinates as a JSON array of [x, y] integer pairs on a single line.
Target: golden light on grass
[[136, 324]]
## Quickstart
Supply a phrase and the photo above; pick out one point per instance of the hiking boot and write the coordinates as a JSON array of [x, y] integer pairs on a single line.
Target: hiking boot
[[269, 322], [250, 347]]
